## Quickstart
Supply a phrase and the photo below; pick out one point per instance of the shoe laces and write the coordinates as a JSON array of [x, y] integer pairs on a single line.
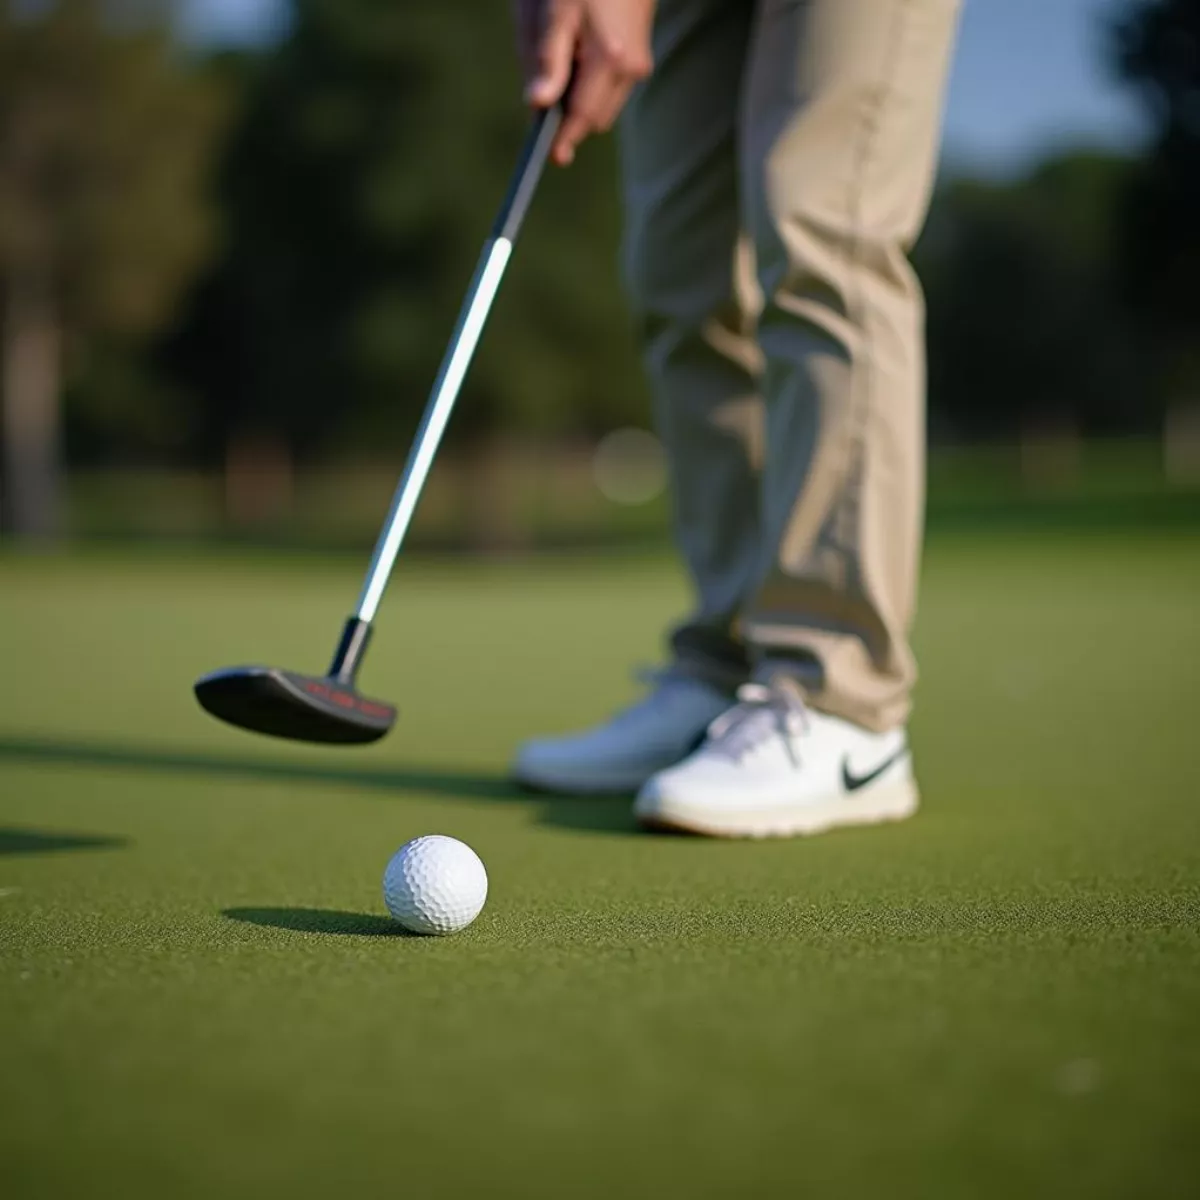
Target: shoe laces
[[763, 711]]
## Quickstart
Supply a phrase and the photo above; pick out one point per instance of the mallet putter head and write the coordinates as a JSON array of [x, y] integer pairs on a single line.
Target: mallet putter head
[[305, 708], [283, 704]]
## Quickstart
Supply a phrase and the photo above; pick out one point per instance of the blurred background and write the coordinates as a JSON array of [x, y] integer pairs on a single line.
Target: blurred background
[[234, 235]]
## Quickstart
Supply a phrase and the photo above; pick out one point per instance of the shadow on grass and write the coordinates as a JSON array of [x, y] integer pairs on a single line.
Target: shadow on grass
[[37, 841], [599, 815], [319, 920]]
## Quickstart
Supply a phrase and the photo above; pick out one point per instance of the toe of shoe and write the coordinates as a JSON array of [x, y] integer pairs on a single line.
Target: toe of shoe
[[533, 761], [685, 799], [659, 808], [654, 796]]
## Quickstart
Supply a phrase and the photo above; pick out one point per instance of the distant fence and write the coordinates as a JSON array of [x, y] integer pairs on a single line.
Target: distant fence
[[520, 497]]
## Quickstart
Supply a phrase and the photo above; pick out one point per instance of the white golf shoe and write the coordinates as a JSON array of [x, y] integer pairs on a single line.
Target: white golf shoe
[[772, 767], [620, 755]]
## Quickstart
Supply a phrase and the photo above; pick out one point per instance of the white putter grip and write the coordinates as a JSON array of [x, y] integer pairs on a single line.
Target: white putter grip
[[472, 317]]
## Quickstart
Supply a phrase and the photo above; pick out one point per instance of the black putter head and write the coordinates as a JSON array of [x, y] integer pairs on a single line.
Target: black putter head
[[305, 708], [283, 704]]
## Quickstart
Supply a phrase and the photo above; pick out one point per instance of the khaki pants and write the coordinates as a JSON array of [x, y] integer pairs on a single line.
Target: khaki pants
[[777, 168]]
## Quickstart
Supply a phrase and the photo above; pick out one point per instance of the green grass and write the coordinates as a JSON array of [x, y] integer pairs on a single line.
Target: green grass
[[199, 997]]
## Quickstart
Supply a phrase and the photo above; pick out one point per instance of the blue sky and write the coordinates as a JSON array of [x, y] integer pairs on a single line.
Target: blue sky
[[1028, 75]]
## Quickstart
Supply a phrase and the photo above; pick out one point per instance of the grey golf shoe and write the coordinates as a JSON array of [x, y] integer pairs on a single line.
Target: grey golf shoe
[[619, 756]]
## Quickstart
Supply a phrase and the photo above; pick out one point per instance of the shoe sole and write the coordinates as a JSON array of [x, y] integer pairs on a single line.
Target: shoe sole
[[875, 806]]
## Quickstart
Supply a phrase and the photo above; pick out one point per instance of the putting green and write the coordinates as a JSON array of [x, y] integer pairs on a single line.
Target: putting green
[[200, 996]]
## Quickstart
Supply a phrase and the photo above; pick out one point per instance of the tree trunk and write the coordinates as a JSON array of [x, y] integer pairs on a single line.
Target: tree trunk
[[1051, 451], [492, 479], [30, 406], [1181, 442], [259, 480]]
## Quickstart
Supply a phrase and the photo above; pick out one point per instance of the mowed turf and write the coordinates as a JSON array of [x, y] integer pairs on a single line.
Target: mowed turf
[[200, 996]]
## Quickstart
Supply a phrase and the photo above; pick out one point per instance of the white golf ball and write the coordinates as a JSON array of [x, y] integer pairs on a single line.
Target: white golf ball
[[435, 884]]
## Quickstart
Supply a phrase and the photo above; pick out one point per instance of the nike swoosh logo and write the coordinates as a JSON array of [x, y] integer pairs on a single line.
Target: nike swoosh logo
[[853, 782]]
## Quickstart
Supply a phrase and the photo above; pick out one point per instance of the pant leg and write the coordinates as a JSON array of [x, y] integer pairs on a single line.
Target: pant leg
[[840, 126], [691, 284]]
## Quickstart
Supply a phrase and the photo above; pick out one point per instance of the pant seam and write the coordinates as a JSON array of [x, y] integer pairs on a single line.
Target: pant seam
[[862, 386]]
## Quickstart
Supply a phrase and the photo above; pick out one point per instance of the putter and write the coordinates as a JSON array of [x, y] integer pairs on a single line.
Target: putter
[[329, 708]]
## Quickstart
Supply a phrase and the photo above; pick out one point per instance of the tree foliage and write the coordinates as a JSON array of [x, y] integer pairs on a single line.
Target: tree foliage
[[365, 159], [1024, 324], [1156, 50], [105, 144], [377, 143]]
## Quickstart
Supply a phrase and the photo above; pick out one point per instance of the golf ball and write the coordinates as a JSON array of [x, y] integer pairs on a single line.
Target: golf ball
[[435, 884]]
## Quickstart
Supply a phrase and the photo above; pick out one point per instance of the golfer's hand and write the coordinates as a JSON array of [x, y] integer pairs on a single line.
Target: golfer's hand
[[600, 47]]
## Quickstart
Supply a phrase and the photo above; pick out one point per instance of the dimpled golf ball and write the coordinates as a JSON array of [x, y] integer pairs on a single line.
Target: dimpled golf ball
[[435, 884]]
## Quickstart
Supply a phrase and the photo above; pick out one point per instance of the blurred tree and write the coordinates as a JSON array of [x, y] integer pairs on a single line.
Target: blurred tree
[[1156, 49], [104, 141], [377, 143], [1024, 330]]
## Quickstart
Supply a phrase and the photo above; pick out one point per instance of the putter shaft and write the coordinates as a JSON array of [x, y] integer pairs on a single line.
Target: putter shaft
[[473, 315]]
